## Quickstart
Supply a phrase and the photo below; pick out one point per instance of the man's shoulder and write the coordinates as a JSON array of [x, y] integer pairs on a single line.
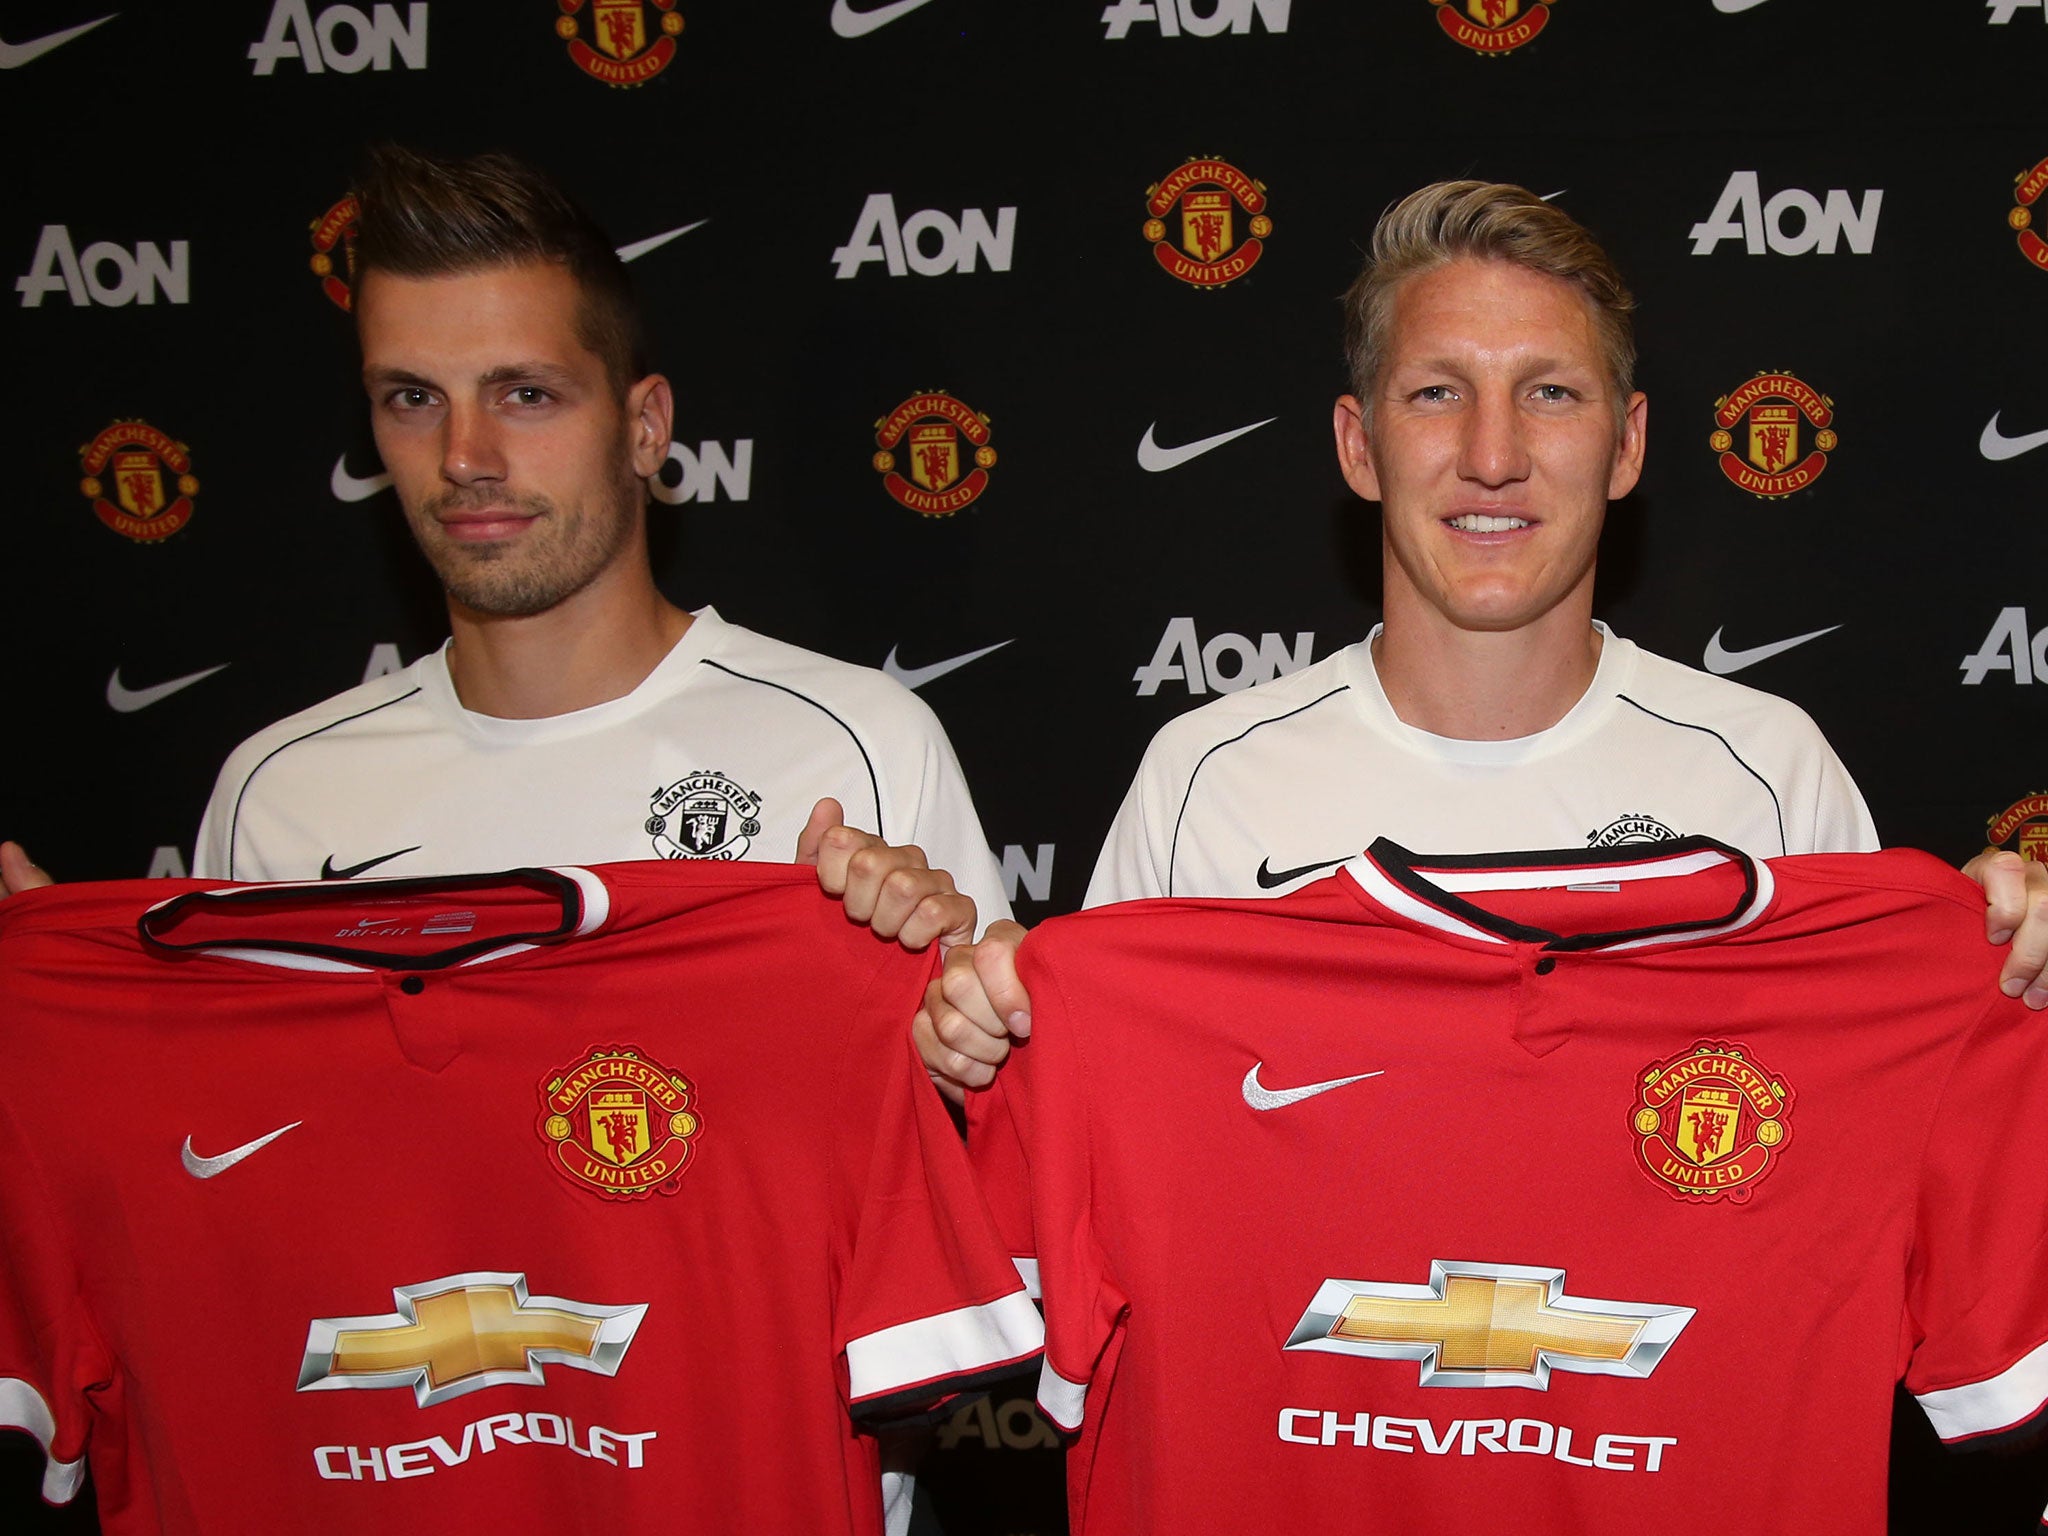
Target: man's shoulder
[[1292, 697], [862, 698], [368, 707], [1690, 696]]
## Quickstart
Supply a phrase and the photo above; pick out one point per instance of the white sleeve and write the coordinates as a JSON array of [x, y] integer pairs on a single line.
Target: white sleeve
[[932, 807], [1137, 857]]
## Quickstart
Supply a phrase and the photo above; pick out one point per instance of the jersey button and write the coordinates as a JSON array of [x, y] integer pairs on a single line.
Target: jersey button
[[412, 986], [1543, 967]]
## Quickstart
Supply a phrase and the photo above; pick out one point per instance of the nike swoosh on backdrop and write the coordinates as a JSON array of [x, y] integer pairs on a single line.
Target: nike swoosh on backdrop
[[1158, 460], [125, 701], [640, 248], [14, 55], [1259, 1096], [1720, 661], [1995, 445], [329, 872], [347, 487], [848, 22], [917, 677], [1736, 7], [1269, 878], [206, 1167]]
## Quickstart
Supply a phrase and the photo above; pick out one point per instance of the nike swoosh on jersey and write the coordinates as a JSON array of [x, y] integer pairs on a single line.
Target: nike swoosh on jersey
[[917, 677], [1157, 460], [640, 248], [124, 700], [329, 872], [348, 487], [1721, 661], [848, 22], [206, 1167], [1995, 445], [1269, 878], [1259, 1096], [14, 55]]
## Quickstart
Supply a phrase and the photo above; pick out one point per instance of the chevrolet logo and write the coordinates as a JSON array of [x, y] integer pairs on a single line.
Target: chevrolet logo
[[462, 1334], [1488, 1325]]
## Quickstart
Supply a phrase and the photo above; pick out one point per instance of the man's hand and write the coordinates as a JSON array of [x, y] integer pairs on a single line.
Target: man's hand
[[972, 1010], [2016, 913], [890, 889], [17, 873]]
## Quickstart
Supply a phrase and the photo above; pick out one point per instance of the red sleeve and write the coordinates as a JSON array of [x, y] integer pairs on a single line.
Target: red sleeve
[[1977, 1286], [929, 1304], [1034, 1153], [51, 1356]]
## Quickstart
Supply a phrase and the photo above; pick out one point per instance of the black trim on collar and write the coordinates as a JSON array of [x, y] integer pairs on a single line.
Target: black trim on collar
[[1399, 866], [336, 894]]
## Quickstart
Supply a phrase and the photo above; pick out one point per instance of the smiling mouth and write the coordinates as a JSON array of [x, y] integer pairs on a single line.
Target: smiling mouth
[[1481, 522]]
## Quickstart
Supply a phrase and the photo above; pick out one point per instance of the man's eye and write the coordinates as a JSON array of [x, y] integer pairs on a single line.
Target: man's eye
[[530, 394], [1556, 394], [1432, 394], [410, 398]]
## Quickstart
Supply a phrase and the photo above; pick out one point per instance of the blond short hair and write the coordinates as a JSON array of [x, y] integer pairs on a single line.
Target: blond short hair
[[1489, 221]]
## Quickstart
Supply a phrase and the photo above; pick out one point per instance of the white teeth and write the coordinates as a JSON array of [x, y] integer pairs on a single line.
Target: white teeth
[[1479, 522]]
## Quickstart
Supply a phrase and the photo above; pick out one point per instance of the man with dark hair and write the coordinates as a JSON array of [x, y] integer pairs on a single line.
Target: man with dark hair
[[575, 715], [1494, 417]]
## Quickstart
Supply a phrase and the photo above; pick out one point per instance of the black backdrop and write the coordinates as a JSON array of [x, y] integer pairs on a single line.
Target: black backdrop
[[173, 171]]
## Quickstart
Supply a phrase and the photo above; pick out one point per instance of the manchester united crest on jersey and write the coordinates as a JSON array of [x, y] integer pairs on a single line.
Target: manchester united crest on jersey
[[1207, 222], [1632, 828], [1763, 420], [926, 431], [704, 816], [148, 476], [2025, 820], [1710, 1123], [1495, 28], [620, 1123], [626, 45], [334, 233]]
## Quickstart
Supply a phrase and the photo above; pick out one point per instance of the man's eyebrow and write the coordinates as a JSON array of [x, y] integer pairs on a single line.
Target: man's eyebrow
[[525, 373]]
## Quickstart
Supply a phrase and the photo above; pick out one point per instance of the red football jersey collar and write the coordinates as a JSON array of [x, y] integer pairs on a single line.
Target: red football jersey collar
[[1434, 891]]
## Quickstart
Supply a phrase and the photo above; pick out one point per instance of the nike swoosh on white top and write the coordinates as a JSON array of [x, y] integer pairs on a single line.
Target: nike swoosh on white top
[[848, 22], [1259, 1096], [1720, 661], [14, 55], [917, 677], [640, 248], [347, 487], [125, 701], [206, 1167], [1158, 460], [1736, 7], [1995, 445]]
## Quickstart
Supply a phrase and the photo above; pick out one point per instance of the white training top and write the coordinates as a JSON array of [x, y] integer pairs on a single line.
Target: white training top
[[719, 753], [1260, 790]]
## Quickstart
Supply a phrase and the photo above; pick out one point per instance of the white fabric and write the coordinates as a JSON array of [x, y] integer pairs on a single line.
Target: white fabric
[[996, 1333], [730, 728], [1303, 772], [1985, 1407], [22, 1407]]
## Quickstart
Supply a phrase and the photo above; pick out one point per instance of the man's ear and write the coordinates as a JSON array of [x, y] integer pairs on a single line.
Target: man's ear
[[1628, 453], [650, 418], [1354, 447]]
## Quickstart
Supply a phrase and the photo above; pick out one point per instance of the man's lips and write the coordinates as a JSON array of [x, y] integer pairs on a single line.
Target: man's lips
[[481, 524], [1489, 524]]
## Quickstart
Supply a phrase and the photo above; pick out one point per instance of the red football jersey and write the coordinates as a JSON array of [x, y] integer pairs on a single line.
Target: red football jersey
[[1600, 1191], [504, 1202]]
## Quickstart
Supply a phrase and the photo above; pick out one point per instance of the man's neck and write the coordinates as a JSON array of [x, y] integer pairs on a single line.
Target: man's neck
[[1485, 685], [587, 650]]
